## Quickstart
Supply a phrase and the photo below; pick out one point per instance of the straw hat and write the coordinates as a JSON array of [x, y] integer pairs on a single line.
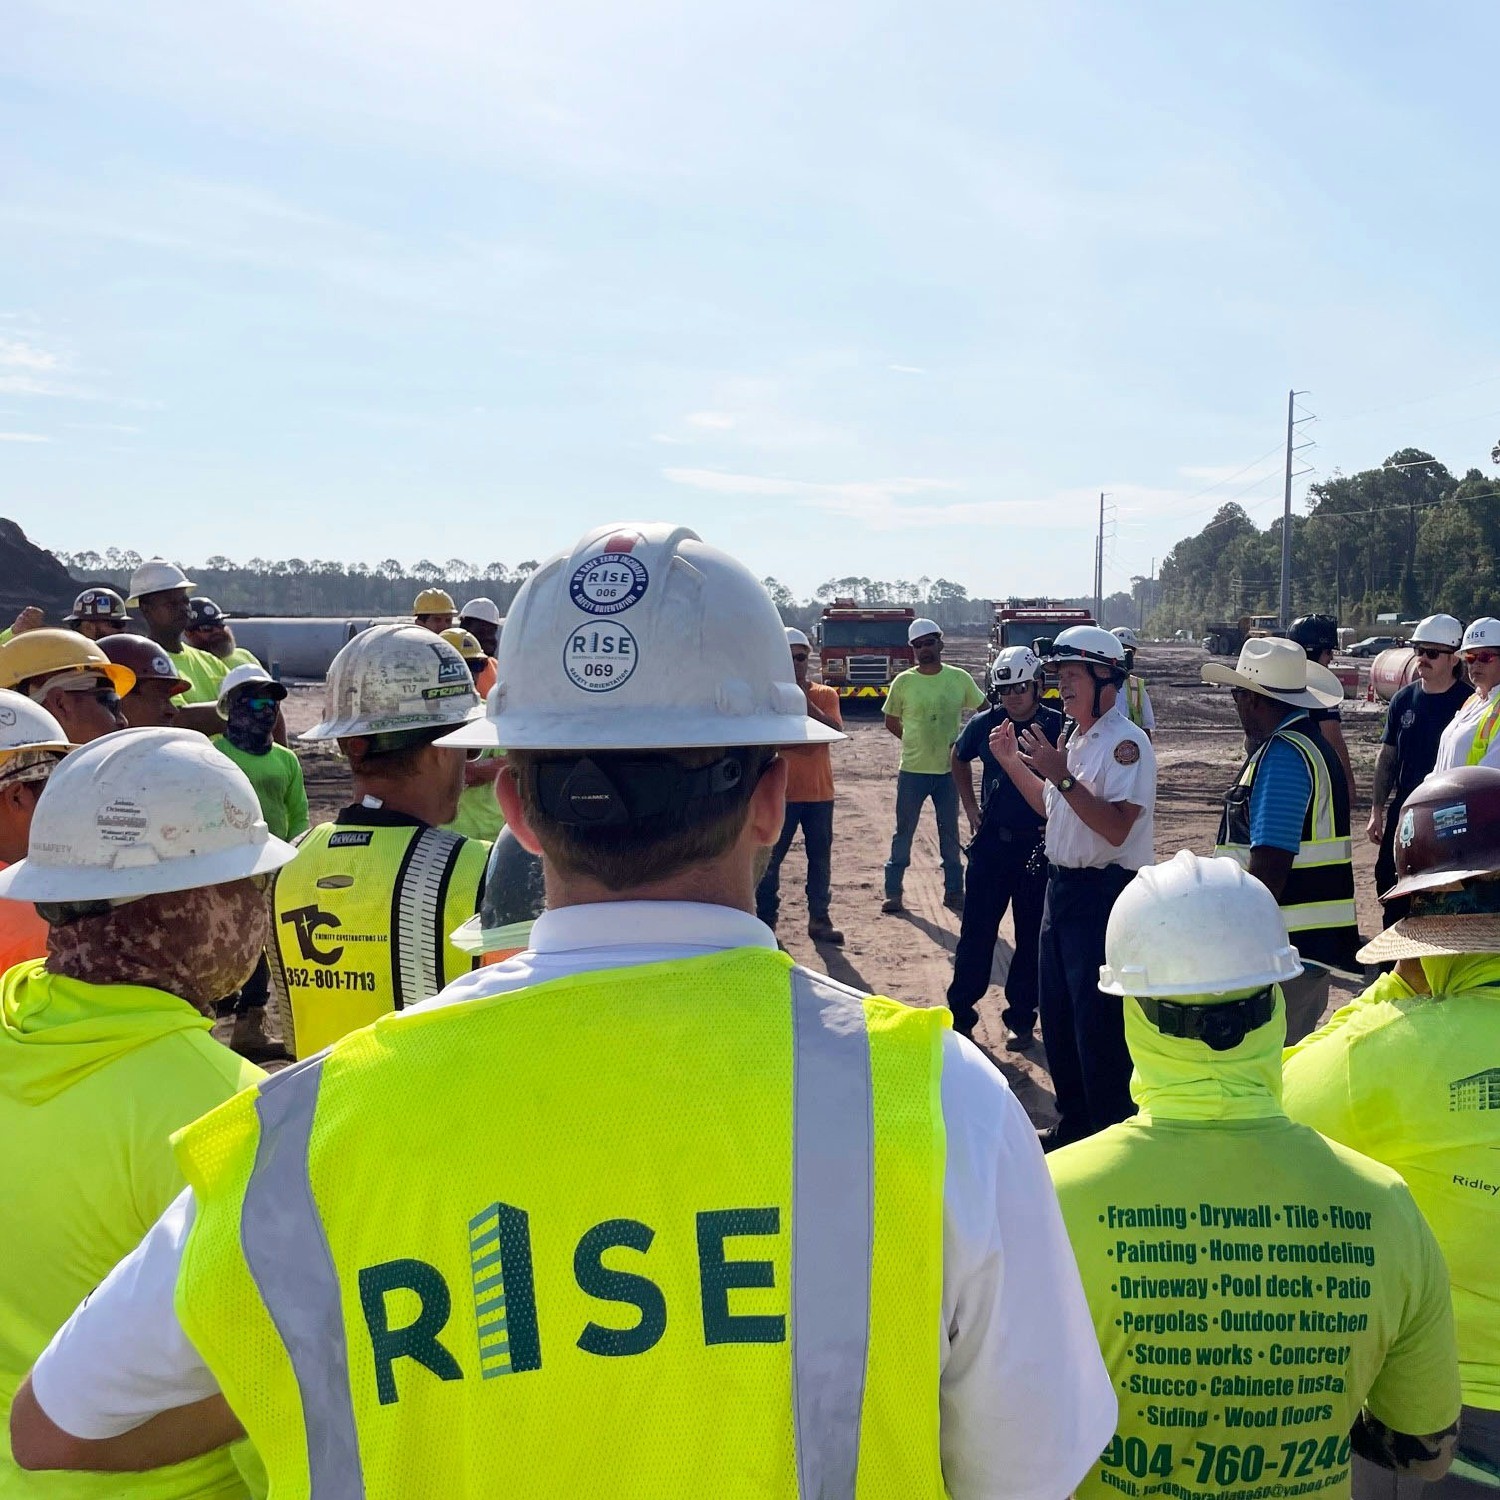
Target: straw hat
[[1278, 668]]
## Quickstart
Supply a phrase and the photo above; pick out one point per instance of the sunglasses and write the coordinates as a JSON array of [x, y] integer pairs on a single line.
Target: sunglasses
[[799, 656], [1005, 689], [1433, 653], [1483, 658], [260, 705]]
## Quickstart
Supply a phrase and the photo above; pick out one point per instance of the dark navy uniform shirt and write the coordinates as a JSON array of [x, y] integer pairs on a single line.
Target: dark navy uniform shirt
[[1004, 806]]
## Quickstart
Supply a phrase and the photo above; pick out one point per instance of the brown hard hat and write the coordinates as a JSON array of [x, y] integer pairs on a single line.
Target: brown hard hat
[[1449, 831], [144, 657]]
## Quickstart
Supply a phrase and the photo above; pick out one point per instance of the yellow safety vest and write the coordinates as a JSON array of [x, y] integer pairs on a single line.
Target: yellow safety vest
[[1317, 902], [361, 921], [666, 1231], [1484, 733], [1135, 693]]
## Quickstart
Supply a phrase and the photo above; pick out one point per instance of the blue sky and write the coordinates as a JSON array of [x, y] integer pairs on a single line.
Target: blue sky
[[877, 288]]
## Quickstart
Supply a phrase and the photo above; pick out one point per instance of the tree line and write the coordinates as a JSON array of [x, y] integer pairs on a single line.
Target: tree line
[[1408, 538], [298, 586]]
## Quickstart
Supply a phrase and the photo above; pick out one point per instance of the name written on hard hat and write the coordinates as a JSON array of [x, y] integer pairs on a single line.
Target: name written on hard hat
[[507, 1326]]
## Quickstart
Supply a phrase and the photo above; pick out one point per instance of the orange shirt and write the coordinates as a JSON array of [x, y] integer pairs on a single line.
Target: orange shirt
[[809, 768], [484, 678], [23, 934]]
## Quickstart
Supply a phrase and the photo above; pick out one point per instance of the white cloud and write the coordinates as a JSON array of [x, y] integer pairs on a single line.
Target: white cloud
[[23, 437], [29, 385], [718, 421], [17, 354]]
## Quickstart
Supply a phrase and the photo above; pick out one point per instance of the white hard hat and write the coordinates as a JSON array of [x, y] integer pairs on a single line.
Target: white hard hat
[[1194, 926], [920, 627], [481, 609], [1438, 630], [1126, 636], [795, 637], [392, 678], [242, 676], [1015, 664], [1484, 631], [25, 725], [643, 638], [156, 577], [1090, 643], [142, 811]]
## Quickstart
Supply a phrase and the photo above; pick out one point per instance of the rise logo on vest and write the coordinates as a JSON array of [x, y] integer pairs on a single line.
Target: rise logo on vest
[[505, 1301]]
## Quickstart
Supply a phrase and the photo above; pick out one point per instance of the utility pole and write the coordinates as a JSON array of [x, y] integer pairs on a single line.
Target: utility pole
[[1099, 566], [1286, 519]]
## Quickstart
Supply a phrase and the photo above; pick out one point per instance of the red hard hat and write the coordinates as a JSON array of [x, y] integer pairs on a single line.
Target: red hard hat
[[1449, 831]]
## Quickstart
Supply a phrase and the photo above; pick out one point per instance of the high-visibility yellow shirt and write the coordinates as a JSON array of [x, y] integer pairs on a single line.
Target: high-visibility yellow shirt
[[203, 670], [93, 1081], [671, 1231], [1414, 1081], [1252, 1284], [361, 921]]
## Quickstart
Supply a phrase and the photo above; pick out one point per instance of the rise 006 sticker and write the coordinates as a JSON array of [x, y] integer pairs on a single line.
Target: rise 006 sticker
[[599, 658], [608, 583]]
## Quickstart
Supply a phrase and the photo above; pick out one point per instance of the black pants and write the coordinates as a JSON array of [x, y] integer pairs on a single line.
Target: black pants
[[816, 822], [1385, 868], [1002, 873], [1084, 1029]]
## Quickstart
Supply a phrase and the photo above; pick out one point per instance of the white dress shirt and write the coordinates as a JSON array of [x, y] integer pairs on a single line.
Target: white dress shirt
[[1458, 738], [1026, 1403], [1115, 761]]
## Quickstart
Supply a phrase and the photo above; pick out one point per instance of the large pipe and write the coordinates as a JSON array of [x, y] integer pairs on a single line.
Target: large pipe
[[1392, 670]]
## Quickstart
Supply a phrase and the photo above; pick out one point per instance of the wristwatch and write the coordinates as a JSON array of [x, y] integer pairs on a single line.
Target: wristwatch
[[1067, 784]]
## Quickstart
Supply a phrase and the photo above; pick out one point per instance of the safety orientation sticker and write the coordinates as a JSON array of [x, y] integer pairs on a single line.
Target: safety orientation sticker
[[608, 583], [599, 658]]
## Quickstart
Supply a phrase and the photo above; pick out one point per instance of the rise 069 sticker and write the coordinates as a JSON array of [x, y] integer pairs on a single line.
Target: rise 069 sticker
[[608, 583], [599, 658]]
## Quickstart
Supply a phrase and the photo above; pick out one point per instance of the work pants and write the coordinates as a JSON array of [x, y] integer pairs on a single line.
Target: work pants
[[1478, 1444], [913, 788], [1005, 870], [1385, 868], [1083, 1028], [815, 819], [1306, 999]]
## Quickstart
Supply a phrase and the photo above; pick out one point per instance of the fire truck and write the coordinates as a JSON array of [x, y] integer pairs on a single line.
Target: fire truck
[[863, 648], [1023, 622]]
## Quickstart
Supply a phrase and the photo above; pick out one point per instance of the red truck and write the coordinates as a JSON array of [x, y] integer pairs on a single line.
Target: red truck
[[1021, 622], [863, 648]]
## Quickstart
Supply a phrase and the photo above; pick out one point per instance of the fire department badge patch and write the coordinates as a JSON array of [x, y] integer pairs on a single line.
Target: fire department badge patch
[[1127, 752]]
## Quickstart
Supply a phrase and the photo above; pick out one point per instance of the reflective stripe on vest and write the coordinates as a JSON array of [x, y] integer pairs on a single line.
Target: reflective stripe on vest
[[1484, 733], [361, 921], [268, 1291], [1319, 890], [1135, 694]]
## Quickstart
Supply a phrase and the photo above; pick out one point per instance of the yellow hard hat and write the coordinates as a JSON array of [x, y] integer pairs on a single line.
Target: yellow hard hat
[[434, 602], [47, 653], [465, 643]]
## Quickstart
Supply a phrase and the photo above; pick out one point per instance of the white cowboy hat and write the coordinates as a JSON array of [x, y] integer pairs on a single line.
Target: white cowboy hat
[[1278, 668]]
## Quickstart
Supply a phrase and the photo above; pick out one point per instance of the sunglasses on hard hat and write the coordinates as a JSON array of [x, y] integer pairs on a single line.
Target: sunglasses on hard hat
[[1433, 653]]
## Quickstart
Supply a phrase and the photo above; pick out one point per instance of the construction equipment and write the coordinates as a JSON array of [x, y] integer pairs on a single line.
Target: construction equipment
[[1034, 623], [1221, 639], [863, 648]]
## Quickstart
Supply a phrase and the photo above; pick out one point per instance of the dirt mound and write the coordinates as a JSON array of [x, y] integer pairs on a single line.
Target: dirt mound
[[31, 575]]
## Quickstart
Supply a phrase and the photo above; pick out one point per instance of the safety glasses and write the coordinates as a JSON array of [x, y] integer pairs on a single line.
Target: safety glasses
[[1433, 653], [1482, 658], [1005, 689], [260, 705], [799, 656]]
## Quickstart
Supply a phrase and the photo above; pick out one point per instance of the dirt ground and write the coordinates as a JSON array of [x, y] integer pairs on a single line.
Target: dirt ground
[[1199, 747]]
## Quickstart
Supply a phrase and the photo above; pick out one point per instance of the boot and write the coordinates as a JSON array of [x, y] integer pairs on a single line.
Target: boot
[[821, 930]]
